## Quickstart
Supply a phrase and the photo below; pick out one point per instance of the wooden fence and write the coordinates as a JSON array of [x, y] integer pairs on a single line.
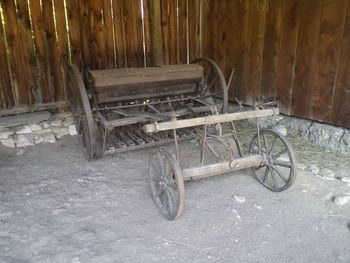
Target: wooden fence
[[293, 50]]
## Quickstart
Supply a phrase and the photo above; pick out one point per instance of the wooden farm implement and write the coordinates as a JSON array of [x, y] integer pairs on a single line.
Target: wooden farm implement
[[139, 107]]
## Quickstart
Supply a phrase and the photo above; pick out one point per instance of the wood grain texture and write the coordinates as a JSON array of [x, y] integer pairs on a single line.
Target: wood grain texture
[[285, 68], [341, 105], [331, 30], [306, 57]]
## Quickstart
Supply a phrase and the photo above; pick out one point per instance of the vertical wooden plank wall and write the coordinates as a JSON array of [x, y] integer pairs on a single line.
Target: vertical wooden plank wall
[[295, 51]]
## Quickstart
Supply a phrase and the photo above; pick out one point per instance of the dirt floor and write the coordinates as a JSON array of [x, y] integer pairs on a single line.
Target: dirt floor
[[57, 207]]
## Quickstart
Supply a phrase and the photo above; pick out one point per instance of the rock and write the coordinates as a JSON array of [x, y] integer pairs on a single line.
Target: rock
[[68, 121], [20, 151], [280, 129], [239, 199], [326, 173], [72, 130], [34, 127], [60, 132], [8, 142], [342, 200], [45, 125], [314, 169], [23, 141], [344, 143], [345, 179], [326, 135], [64, 115], [24, 130], [302, 166], [40, 132], [304, 130], [56, 123], [5, 133], [38, 139], [49, 137], [25, 118]]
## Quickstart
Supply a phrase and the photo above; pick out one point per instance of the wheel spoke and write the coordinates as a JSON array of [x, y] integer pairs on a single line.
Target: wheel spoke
[[157, 168], [279, 174], [273, 179], [275, 156], [266, 173], [273, 144], [265, 141]]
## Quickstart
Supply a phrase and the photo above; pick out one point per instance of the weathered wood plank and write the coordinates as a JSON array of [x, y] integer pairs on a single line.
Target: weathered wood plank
[[84, 22], [271, 48], [254, 45], [148, 32], [306, 57], [43, 66], [156, 42], [5, 73], [109, 34], [133, 33], [182, 25], [341, 105], [234, 47], [194, 8], [74, 33], [287, 54], [20, 54], [34, 108], [331, 31], [119, 33], [208, 120], [168, 16], [54, 53]]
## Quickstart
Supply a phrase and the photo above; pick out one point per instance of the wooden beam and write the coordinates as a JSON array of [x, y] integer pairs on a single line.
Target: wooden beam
[[203, 171], [213, 119], [33, 108]]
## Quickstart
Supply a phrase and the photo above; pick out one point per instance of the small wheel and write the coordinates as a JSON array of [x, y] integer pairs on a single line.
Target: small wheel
[[214, 84], [279, 172], [81, 110], [167, 184]]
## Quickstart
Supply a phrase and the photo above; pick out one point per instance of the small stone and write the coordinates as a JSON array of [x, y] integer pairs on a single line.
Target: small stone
[[280, 129], [5, 133], [326, 174], [20, 151], [23, 141], [72, 130], [345, 179], [257, 206], [8, 142], [60, 132], [49, 137], [68, 121], [34, 127], [302, 166], [24, 129], [40, 132], [38, 139], [239, 199], [56, 123], [45, 125], [314, 169], [64, 115], [342, 200]]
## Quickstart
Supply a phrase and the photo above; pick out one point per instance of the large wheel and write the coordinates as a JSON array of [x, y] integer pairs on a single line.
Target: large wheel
[[167, 184], [279, 172], [214, 84], [81, 111]]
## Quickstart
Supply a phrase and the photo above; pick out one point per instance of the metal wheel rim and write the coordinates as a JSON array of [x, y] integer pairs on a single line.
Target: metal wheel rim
[[215, 69], [162, 188], [272, 171], [81, 110]]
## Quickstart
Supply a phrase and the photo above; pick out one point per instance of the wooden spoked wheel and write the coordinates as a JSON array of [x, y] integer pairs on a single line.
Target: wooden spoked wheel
[[214, 84], [167, 184], [279, 172], [81, 110]]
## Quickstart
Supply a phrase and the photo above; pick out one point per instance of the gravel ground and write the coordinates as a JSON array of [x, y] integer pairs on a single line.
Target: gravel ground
[[57, 207]]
